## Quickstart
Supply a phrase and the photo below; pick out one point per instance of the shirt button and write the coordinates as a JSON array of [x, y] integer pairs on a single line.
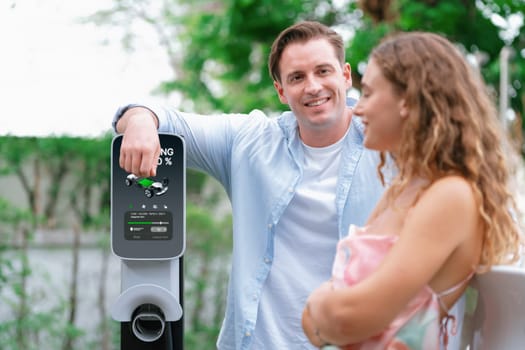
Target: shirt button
[[248, 334], [269, 225], [266, 260], [290, 189]]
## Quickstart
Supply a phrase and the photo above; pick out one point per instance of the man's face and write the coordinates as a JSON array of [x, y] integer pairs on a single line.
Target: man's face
[[314, 85], [383, 111]]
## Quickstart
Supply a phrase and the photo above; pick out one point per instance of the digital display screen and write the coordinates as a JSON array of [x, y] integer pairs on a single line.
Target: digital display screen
[[148, 225]]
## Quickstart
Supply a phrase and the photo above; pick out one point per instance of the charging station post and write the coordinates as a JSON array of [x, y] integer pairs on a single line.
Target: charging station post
[[148, 235]]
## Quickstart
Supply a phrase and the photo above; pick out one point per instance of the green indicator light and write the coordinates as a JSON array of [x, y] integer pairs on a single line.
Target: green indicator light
[[146, 182]]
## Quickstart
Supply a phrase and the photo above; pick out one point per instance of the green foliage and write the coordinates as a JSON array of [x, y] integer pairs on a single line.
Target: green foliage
[[36, 326], [57, 158], [359, 48], [209, 241], [46, 168], [467, 23], [219, 63], [15, 150], [11, 218], [91, 170], [42, 329]]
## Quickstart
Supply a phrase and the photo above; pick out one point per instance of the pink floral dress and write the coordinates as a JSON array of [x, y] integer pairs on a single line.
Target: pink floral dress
[[418, 325]]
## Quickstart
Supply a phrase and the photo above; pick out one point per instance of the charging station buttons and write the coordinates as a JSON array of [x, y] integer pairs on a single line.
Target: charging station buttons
[[148, 225]]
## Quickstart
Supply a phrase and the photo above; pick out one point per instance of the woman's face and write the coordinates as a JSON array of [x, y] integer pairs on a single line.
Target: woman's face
[[382, 110]]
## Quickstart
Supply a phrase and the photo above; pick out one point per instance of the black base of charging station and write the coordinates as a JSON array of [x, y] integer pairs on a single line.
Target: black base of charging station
[[172, 338]]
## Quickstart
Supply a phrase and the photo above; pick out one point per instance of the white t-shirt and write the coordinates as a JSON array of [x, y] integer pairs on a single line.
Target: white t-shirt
[[308, 228]]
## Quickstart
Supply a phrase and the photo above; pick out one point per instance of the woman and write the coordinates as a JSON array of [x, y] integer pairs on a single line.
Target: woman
[[446, 215]]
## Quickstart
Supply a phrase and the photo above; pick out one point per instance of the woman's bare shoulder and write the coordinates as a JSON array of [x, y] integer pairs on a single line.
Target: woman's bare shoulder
[[451, 191]]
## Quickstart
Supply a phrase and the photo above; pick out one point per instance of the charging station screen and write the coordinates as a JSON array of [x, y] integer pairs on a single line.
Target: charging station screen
[[148, 225], [148, 213]]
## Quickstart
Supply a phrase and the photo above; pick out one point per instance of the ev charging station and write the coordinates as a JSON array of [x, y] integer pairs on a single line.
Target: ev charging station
[[148, 235]]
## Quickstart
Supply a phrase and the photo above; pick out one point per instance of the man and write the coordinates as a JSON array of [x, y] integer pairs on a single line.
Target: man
[[295, 182]]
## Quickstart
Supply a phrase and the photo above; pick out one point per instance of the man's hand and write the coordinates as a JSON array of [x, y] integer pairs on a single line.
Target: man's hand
[[140, 147]]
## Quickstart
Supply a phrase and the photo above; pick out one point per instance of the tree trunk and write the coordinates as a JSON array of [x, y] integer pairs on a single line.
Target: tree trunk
[[104, 324], [73, 287], [23, 311], [56, 185]]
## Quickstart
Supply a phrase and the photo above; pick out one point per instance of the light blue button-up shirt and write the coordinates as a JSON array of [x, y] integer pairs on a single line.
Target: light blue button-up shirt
[[259, 161]]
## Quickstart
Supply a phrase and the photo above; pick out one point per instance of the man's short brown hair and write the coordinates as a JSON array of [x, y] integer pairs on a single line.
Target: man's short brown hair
[[303, 32]]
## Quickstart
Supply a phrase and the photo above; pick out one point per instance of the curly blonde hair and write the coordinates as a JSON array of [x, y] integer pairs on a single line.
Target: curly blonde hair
[[452, 129]]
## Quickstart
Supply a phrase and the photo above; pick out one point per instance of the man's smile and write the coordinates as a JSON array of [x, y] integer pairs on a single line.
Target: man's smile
[[317, 102]]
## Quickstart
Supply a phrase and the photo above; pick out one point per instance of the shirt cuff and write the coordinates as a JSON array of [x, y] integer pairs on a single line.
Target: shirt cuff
[[122, 109]]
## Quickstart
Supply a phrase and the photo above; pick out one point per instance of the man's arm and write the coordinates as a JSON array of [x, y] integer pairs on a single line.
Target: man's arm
[[140, 144]]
